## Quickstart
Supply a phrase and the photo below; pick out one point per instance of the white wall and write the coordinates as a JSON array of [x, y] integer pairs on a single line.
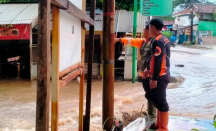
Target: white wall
[[77, 3], [70, 44], [181, 20]]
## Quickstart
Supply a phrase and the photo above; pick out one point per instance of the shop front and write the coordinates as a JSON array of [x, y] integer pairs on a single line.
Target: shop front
[[14, 50], [16, 59]]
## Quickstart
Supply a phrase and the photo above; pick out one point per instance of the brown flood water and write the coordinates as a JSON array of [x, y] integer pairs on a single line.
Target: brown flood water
[[195, 97], [18, 104]]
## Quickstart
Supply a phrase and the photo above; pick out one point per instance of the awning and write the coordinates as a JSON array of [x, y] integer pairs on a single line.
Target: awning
[[18, 14]]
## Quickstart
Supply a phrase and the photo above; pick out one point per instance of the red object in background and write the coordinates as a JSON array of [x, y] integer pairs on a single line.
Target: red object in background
[[165, 28], [15, 32]]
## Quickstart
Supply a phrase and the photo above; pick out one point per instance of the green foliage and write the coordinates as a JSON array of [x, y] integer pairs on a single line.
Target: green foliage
[[188, 43], [195, 130], [214, 15], [124, 4], [168, 34], [214, 121]]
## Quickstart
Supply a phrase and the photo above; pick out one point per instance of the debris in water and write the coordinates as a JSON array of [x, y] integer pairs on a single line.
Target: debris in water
[[179, 65], [177, 79], [127, 118], [117, 126]]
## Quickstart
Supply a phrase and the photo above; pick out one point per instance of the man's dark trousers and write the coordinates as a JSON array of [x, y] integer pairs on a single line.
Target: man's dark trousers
[[148, 94]]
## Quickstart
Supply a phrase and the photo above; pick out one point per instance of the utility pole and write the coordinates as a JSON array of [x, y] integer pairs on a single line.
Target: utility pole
[[108, 63], [134, 48], [191, 38]]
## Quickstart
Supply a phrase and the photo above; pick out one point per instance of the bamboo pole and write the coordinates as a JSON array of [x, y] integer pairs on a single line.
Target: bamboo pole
[[82, 76], [55, 68]]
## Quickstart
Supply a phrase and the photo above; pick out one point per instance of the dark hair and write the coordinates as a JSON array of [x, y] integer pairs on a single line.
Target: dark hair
[[157, 23], [147, 27]]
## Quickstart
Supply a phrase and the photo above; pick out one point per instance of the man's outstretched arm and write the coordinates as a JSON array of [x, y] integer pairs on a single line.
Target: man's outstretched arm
[[133, 42]]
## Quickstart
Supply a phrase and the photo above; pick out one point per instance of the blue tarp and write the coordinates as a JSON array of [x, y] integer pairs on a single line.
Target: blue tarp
[[186, 124]]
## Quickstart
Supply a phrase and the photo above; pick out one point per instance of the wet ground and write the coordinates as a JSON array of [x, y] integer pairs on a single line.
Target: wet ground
[[194, 98]]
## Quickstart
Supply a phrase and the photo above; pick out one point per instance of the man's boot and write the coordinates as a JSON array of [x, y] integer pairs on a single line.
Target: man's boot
[[151, 110], [164, 118], [156, 125]]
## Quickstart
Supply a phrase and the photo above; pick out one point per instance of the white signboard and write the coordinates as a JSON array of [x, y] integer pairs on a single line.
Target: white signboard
[[77, 3], [70, 40]]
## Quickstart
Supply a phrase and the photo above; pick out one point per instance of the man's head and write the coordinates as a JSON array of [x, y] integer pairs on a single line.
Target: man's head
[[146, 33], [155, 26]]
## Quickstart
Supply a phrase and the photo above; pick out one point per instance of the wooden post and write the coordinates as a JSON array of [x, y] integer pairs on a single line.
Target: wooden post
[[108, 63], [82, 76], [55, 68], [31, 54], [43, 77], [90, 61]]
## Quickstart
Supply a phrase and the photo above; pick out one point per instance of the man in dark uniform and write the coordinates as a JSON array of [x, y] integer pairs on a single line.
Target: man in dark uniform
[[158, 70]]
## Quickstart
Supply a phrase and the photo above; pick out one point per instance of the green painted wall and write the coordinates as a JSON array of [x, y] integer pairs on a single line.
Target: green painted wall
[[207, 26]]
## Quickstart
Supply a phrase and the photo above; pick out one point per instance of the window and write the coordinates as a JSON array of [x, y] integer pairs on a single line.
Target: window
[[201, 16], [178, 18]]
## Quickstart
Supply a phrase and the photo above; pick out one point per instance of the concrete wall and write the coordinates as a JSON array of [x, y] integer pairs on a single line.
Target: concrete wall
[[209, 40]]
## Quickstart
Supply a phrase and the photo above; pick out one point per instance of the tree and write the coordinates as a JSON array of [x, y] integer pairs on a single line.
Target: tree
[[123, 4], [214, 15], [127, 4]]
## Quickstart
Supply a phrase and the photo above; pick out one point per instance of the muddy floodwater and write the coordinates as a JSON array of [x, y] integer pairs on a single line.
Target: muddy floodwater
[[194, 98]]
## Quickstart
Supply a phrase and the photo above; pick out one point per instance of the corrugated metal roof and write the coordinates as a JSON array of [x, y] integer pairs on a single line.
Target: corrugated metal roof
[[200, 8], [123, 22], [18, 13]]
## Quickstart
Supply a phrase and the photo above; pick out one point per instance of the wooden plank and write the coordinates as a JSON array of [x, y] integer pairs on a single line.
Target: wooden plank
[[79, 14], [68, 70], [31, 54], [43, 80], [55, 68], [70, 77], [82, 76], [63, 4]]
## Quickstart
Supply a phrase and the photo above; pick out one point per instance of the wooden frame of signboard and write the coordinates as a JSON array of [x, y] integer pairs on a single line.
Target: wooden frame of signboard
[[59, 79]]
